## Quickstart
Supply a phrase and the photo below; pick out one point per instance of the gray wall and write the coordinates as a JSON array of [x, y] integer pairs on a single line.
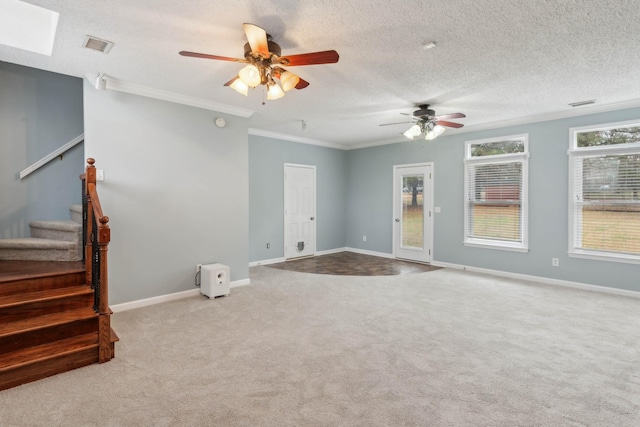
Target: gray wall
[[39, 112], [175, 189], [267, 157], [369, 208]]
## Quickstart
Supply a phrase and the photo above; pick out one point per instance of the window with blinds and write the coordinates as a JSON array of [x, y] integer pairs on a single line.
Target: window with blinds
[[496, 193], [604, 188]]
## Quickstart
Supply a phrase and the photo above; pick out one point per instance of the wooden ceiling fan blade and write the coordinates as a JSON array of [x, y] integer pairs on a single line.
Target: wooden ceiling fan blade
[[448, 124], [257, 38], [313, 58], [399, 123], [302, 84], [451, 116], [207, 56], [230, 82]]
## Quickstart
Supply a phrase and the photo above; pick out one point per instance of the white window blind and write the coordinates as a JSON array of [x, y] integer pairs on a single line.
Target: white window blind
[[604, 209], [495, 201], [496, 193]]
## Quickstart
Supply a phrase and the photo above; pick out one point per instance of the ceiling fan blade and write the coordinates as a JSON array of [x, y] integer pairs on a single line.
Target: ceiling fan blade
[[230, 82], [450, 116], [324, 57], [257, 38], [302, 84], [448, 124], [399, 123], [206, 56]]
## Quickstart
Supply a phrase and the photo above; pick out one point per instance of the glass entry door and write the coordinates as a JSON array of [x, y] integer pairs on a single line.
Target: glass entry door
[[412, 212]]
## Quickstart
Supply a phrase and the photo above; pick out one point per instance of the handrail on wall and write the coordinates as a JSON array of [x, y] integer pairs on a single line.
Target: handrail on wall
[[46, 159]]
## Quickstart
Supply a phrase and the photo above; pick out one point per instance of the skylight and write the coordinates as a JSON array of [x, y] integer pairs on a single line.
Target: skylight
[[27, 27]]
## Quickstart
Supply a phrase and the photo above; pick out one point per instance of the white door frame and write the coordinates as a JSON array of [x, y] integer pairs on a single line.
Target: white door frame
[[284, 215], [428, 206]]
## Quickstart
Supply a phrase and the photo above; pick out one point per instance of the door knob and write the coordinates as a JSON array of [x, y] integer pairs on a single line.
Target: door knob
[[312, 218], [397, 219]]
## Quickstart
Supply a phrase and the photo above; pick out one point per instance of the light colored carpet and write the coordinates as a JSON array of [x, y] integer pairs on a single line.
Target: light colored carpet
[[444, 348]]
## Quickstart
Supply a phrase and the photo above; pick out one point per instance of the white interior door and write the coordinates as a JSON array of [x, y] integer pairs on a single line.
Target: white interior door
[[413, 212], [299, 211]]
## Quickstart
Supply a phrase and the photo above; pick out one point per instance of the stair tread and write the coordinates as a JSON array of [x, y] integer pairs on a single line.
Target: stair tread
[[20, 326], [65, 225], [24, 270], [57, 293], [42, 352], [35, 243]]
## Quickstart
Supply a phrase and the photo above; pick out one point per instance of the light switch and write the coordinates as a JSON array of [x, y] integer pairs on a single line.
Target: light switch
[[437, 209], [99, 174]]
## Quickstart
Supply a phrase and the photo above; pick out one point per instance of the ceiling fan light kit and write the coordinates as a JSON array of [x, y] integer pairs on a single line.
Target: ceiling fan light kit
[[264, 64], [239, 86], [250, 75], [434, 132], [413, 131], [274, 91], [288, 80], [426, 122]]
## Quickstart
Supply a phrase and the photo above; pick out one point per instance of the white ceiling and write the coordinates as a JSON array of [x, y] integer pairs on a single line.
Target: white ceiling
[[497, 61]]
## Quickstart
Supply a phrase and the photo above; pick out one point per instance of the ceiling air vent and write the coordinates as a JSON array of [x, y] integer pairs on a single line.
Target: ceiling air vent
[[95, 43], [581, 103]]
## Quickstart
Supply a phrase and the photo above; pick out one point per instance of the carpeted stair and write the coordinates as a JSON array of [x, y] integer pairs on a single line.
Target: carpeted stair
[[49, 241]]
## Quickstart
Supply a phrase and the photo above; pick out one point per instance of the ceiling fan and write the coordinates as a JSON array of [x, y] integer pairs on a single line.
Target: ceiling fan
[[425, 121], [265, 64]]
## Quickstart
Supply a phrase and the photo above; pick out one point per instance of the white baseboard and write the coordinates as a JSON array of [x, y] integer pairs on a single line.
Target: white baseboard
[[266, 261], [330, 251], [372, 253], [326, 252], [168, 297], [544, 280], [283, 259], [238, 283]]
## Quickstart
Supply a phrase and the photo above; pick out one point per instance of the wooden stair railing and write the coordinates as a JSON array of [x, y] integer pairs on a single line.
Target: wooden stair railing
[[96, 238], [55, 317]]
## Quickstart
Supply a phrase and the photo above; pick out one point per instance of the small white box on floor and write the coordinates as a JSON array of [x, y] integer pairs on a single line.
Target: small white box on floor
[[214, 280]]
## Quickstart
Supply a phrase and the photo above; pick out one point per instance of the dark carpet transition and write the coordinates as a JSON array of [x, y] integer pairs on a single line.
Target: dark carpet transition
[[353, 264]]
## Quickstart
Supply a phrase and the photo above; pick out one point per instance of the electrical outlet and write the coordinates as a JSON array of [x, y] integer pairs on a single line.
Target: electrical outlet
[[364, 238], [268, 245], [198, 268], [555, 262]]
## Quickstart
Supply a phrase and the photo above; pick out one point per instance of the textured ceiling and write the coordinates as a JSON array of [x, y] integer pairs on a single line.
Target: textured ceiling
[[496, 61]]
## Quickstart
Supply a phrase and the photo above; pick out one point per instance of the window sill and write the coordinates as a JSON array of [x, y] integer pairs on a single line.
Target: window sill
[[605, 256], [501, 246]]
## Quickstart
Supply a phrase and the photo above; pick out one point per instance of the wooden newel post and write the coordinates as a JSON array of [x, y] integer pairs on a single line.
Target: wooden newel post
[[104, 237], [90, 171], [104, 319], [97, 266]]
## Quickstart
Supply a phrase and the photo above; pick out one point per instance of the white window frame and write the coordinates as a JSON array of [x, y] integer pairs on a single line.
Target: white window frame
[[576, 152], [523, 245]]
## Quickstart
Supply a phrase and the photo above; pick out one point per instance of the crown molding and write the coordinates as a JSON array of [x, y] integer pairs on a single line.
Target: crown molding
[[136, 89], [149, 92], [557, 115], [301, 140], [377, 143]]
